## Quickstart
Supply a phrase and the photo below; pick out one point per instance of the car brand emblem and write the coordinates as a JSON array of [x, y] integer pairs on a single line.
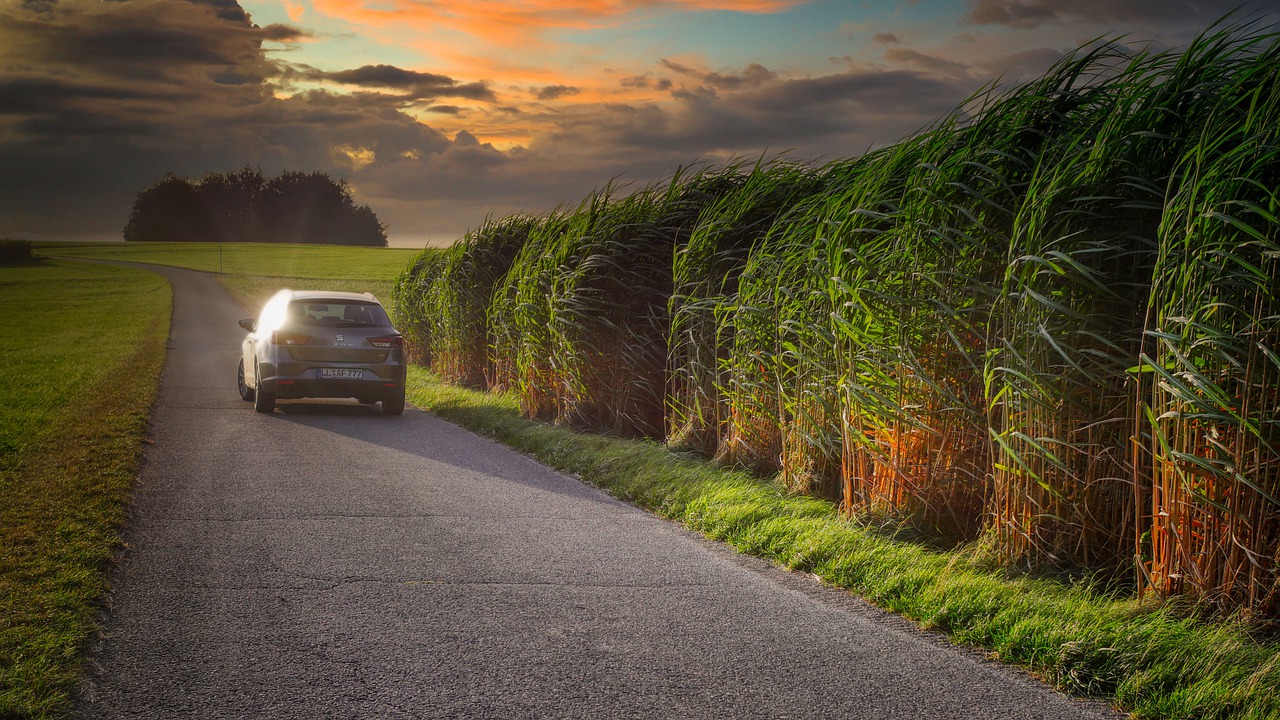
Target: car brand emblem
[[338, 338]]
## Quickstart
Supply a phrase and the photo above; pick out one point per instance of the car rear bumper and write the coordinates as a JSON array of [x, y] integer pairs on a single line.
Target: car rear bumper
[[379, 381]]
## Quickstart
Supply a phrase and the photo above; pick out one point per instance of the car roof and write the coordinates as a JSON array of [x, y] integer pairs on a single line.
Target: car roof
[[333, 295]]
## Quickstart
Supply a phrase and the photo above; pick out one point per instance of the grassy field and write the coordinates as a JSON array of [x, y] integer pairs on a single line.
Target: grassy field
[[1151, 659], [82, 362], [254, 272], [286, 261]]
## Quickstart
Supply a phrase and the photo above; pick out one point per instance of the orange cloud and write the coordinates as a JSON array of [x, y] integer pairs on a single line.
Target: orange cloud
[[514, 48], [509, 44], [295, 9], [512, 22]]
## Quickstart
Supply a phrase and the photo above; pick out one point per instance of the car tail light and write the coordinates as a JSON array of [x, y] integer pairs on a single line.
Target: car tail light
[[281, 337], [387, 341]]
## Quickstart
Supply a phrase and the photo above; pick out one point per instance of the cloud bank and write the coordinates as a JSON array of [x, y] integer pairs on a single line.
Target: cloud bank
[[100, 99]]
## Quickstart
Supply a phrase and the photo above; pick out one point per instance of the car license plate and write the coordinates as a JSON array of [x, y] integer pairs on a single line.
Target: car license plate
[[340, 374]]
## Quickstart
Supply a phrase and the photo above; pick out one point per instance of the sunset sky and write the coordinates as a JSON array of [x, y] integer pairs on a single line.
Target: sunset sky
[[440, 112]]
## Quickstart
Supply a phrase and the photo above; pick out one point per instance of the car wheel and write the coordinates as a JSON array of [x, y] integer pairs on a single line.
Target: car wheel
[[393, 405], [263, 401], [246, 392]]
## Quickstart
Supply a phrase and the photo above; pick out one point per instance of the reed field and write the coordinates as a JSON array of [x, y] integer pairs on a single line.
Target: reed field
[[1048, 324]]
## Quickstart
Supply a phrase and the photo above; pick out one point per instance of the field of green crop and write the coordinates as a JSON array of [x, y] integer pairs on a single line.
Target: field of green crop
[[1049, 324], [82, 347]]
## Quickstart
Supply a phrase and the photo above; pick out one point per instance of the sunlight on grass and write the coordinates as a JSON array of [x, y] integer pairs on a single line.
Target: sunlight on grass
[[76, 321], [83, 362]]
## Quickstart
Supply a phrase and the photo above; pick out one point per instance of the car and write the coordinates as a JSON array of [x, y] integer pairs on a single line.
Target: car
[[322, 344]]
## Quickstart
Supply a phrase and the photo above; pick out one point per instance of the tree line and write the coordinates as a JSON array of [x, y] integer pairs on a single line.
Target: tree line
[[243, 206]]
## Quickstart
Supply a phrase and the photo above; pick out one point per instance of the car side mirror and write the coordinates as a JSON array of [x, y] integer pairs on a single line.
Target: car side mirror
[[249, 324]]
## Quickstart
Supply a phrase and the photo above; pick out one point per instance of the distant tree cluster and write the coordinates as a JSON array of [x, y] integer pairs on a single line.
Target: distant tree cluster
[[242, 206], [14, 251]]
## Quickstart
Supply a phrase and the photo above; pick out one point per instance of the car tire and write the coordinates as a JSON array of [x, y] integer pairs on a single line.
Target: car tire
[[246, 392], [263, 401], [393, 405]]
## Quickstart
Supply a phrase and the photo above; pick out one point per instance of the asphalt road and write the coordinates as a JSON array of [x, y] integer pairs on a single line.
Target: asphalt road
[[326, 561]]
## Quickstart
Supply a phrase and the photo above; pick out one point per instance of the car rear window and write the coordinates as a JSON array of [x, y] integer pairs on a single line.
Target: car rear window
[[326, 313]]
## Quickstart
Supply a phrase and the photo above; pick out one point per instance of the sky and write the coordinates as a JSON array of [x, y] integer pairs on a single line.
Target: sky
[[439, 113]]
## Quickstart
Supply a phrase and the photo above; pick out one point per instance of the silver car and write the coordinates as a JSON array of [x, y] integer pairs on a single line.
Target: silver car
[[322, 344]]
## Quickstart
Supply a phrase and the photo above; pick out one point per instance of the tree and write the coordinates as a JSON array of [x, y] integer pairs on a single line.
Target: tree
[[231, 202], [167, 211], [242, 206]]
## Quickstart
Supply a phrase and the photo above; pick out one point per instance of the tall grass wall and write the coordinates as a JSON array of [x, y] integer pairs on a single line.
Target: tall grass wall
[[1050, 321]]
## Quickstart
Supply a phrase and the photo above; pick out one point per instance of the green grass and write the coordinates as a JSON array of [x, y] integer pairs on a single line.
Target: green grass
[[82, 362], [285, 261], [1150, 659], [68, 324], [253, 272]]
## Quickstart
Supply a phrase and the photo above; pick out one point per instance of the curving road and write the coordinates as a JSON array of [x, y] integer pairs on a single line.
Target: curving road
[[326, 561]]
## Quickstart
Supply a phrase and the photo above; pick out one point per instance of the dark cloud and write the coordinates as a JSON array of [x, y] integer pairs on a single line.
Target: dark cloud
[[1151, 13], [91, 119], [752, 76], [387, 76], [284, 33], [225, 9], [923, 61], [646, 81], [101, 99], [835, 115], [38, 95], [42, 8], [1014, 13], [128, 64], [555, 92], [822, 117], [414, 85]]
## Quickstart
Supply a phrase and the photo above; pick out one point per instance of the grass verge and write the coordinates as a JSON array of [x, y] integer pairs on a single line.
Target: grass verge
[[83, 363], [1153, 661]]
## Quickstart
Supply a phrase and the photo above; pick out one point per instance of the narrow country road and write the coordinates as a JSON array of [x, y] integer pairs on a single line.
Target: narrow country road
[[326, 561]]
